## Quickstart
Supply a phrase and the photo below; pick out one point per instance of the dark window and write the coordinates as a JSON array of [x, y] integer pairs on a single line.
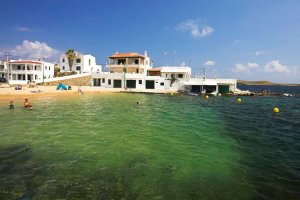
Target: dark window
[[63, 60], [63, 67], [103, 80], [19, 67], [78, 68], [166, 75], [78, 60], [46, 67], [35, 67], [172, 75], [140, 82], [49, 68], [180, 75], [137, 70], [89, 62], [136, 62], [121, 61], [109, 82], [162, 83]]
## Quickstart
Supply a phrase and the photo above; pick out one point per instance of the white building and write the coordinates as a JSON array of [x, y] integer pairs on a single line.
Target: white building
[[134, 71], [3, 70], [81, 64], [26, 71], [126, 70]]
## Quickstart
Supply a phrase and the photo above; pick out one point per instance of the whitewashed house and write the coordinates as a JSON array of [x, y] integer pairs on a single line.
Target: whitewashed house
[[26, 71], [83, 63], [126, 70], [134, 71], [3, 70]]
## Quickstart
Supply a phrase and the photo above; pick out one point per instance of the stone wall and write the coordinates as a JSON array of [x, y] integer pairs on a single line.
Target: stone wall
[[83, 81]]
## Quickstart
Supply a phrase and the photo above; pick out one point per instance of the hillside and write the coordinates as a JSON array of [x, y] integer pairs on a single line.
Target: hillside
[[263, 83]]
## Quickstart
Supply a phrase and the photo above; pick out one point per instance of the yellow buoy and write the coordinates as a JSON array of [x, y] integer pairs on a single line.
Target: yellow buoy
[[276, 110], [206, 97], [239, 100]]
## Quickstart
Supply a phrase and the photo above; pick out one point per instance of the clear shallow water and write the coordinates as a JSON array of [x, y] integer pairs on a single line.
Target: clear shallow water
[[167, 147]]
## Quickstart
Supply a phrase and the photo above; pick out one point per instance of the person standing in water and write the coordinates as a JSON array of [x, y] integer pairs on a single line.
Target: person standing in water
[[27, 104], [11, 105], [80, 90]]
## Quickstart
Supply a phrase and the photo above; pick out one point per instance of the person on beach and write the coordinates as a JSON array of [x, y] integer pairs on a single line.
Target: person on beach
[[11, 105], [80, 90], [27, 104]]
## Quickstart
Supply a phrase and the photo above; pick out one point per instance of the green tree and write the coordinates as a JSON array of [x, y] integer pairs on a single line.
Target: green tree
[[71, 55]]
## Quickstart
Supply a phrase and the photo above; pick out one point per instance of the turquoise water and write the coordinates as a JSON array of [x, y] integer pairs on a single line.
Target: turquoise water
[[105, 146]]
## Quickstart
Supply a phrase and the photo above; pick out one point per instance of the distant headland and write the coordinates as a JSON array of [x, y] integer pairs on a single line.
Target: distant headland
[[243, 82]]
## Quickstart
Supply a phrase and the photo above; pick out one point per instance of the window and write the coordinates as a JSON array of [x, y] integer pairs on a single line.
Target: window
[[180, 75], [136, 62], [63, 68], [78, 60], [45, 67], [35, 67], [137, 70], [78, 68], [121, 61], [19, 67], [103, 80], [140, 82], [49, 68], [89, 62], [109, 82], [162, 83], [63, 60], [166, 75]]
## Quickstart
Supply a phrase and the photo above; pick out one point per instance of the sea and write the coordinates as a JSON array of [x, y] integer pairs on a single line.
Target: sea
[[151, 146]]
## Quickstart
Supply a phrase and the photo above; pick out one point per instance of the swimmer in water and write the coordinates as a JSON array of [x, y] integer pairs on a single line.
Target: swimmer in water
[[27, 104], [11, 105]]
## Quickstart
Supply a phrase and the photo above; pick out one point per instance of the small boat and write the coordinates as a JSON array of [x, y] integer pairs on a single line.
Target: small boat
[[193, 94], [287, 95], [213, 93]]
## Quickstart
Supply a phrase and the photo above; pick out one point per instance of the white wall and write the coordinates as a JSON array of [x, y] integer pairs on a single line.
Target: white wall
[[87, 64]]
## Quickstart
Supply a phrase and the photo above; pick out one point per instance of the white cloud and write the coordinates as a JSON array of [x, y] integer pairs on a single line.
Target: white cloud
[[259, 53], [35, 50], [244, 67], [252, 65], [209, 63], [25, 29], [239, 68], [277, 67], [196, 28]]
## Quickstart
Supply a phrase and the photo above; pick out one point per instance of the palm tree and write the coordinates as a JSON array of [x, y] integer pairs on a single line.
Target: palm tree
[[71, 55]]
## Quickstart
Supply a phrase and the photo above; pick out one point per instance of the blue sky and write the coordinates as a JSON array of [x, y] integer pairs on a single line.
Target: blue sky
[[253, 40]]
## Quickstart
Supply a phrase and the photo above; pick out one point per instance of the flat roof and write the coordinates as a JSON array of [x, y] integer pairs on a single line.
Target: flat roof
[[26, 61], [127, 55]]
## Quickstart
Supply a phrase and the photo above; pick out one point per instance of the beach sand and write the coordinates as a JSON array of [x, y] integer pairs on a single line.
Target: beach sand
[[11, 93]]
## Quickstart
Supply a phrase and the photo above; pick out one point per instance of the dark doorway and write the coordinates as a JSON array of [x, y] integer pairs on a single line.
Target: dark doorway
[[117, 83], [131, 83], [150, 85]]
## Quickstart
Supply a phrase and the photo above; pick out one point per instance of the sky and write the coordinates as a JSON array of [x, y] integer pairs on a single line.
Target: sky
[[243, 39]]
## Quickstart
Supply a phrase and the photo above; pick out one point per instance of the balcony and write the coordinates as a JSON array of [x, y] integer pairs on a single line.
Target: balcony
[[26, 71], [127, 65]]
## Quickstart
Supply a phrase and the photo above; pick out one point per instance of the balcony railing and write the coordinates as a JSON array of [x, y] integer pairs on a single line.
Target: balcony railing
[[26, 71], [129, 65]]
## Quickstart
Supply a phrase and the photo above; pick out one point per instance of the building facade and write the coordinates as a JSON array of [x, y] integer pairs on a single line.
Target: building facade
[[134, 71], [3, 71], [81, 64], [26, 71]]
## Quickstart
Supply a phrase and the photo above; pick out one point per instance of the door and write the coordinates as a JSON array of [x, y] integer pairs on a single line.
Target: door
[[150, 85], [117, 83], [131, 83]]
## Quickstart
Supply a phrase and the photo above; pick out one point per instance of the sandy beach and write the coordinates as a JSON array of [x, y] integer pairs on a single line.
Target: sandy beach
[[11, 93]]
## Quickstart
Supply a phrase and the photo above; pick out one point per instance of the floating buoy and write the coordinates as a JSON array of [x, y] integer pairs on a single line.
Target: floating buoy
[[276, 110], [239, 100], [206, 97]]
